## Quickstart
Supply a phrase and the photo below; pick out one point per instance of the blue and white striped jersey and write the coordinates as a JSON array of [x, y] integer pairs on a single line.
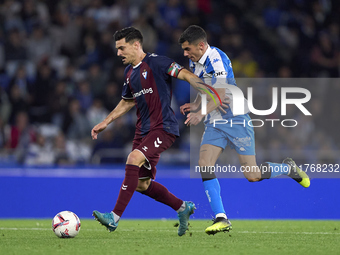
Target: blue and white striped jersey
[[214, 67]]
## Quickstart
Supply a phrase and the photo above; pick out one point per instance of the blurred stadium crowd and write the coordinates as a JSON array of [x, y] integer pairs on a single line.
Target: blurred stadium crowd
[[59, 74]]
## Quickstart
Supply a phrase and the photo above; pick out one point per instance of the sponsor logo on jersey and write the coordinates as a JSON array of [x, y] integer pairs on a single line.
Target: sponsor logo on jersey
[[216, 60], [143, 92], [220, 73]]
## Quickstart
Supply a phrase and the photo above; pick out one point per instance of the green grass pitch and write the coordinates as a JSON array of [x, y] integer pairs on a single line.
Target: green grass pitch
[[146, 237]]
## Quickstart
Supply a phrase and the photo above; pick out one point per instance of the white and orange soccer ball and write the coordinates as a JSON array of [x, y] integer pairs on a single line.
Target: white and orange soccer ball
[[66, 224]]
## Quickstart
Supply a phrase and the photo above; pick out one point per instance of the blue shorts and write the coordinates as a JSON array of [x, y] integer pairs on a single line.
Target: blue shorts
[[239, 136]]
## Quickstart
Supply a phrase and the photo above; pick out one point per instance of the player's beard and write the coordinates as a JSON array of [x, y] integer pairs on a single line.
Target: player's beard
[[124, 60]]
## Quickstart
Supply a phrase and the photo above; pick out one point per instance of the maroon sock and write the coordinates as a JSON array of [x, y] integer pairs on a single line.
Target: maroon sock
[[161, 194], [127, 189]]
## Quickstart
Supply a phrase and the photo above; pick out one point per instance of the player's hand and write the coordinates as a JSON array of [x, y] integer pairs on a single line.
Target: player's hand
[[97, 129], [193, 119], [224, 105], [188, 107]]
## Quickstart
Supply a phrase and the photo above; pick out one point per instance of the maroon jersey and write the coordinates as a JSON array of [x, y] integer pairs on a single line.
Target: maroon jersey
[[149, 84]]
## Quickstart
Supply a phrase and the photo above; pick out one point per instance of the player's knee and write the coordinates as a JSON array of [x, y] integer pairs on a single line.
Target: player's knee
[[135, 158], [253, 179], [252, 173], [143, 185], [203, 162]]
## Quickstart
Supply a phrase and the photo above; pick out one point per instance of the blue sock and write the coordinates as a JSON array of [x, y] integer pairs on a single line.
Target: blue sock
[[278, 169], [213, 191]]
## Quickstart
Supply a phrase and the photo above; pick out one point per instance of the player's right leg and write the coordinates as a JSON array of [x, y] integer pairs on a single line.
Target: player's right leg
[[129, 185], [152, 146], [208, 157]]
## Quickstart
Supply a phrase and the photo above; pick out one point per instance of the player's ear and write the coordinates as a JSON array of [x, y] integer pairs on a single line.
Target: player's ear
[[201, 45], [136, 45]]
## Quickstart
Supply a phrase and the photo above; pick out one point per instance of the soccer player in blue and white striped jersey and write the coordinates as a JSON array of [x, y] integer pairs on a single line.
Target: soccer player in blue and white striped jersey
[[213, 65]]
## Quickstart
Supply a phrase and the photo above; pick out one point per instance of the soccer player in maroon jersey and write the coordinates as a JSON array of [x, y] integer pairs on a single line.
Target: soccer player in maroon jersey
[[147, 86]]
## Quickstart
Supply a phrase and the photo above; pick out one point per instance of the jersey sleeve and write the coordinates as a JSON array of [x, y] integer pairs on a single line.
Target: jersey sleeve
[[174, 69], [126, 92], [230, 76], [168, 66], [220, 68]]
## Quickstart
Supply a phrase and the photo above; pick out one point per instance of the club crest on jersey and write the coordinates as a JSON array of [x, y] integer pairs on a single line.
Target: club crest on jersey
[[145, 74]]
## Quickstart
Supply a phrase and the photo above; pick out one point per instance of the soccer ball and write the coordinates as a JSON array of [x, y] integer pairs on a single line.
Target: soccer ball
[[66, 224]]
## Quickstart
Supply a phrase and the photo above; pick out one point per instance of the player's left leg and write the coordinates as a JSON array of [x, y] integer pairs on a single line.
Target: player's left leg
[[297, 174], [242, 139], [160, 193], [255, 173], [269, 170]]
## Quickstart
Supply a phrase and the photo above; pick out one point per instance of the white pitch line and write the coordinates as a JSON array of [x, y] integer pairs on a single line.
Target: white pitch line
[[297, 233], [25, 229], [167, 230]]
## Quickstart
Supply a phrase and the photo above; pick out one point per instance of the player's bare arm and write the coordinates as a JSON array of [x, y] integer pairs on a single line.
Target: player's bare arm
[[123, 107], [193, 118], [193, 79], [197, 83], [191, 107]]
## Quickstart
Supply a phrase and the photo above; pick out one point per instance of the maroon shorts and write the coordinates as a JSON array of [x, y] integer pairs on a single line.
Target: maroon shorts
[[152, 145]]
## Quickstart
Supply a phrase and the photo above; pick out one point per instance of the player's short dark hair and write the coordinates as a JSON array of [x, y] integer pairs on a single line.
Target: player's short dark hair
[[192, 34], [130, 34]]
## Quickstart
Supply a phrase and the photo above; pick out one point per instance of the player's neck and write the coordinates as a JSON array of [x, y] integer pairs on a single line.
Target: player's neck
[[139, 58], [205, 48]]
